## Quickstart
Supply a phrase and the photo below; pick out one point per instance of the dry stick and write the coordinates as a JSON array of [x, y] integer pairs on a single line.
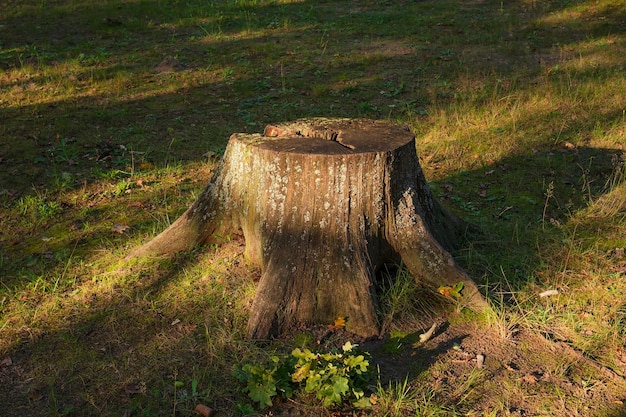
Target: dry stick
[[424, 337], [549, 194]]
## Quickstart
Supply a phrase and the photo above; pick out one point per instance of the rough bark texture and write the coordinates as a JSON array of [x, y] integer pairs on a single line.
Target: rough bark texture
[[323, 204]]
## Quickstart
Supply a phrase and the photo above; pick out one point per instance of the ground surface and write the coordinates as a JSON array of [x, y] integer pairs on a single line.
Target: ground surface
[[113, 116], [517, 370], [441, 374]]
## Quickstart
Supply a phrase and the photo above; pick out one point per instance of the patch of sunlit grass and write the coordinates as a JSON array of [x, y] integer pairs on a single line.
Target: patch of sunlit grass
[[95, 146]]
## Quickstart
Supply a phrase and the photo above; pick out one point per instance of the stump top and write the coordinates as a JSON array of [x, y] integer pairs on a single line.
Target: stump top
[[330, 137]]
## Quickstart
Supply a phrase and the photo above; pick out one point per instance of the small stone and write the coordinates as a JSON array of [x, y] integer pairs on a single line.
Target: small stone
[[480, 361], [204, 410]]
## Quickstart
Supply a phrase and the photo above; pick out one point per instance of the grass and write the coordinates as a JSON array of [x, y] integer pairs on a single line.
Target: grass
[[518, 108]]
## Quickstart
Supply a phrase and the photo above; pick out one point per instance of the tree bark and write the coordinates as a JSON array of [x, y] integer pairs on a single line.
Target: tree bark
[[323, 204]]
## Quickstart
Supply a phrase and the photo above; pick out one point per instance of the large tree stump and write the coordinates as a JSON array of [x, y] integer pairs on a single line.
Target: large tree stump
[[323, 204]]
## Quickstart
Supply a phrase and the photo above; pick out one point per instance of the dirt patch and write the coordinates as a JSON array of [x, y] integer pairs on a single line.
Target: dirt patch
[[470, 369], [535, 374]]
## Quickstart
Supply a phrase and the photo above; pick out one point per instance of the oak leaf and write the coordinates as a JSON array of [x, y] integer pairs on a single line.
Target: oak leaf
[[120, 228]]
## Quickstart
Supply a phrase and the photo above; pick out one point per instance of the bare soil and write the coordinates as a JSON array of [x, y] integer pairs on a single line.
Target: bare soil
[[536, 376]]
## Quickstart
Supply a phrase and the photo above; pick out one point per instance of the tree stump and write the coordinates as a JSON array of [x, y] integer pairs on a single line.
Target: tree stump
[[323, 204]]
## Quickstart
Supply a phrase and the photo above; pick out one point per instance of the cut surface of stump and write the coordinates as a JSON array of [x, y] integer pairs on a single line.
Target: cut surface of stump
[[323, 204]]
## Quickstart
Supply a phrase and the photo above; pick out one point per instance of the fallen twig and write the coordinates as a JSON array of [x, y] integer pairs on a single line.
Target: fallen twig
[[424, 337]]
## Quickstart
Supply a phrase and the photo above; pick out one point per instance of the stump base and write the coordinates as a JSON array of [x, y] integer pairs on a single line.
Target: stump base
[[323, 204]]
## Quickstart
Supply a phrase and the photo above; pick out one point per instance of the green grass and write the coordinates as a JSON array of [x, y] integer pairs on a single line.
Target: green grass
[[519, 111]]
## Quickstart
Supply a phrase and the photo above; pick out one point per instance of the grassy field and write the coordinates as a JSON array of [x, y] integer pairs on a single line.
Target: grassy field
[[113, 115]]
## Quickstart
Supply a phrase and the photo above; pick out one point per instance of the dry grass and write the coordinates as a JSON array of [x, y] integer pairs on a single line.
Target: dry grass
[[519, 111]]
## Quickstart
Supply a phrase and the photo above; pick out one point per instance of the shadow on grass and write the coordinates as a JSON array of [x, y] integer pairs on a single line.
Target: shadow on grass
[[258, 65], [124, 349], [244, 71], [522, 203]]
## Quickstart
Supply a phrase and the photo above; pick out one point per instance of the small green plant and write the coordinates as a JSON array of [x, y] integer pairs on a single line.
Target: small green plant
[[182, 393], [333, 376], [39, 207], [397, 398], [64, 151], [263, 382]]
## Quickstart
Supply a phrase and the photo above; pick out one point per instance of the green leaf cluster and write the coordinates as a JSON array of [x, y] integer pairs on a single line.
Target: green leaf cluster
[[266, 381], [334, 376]]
